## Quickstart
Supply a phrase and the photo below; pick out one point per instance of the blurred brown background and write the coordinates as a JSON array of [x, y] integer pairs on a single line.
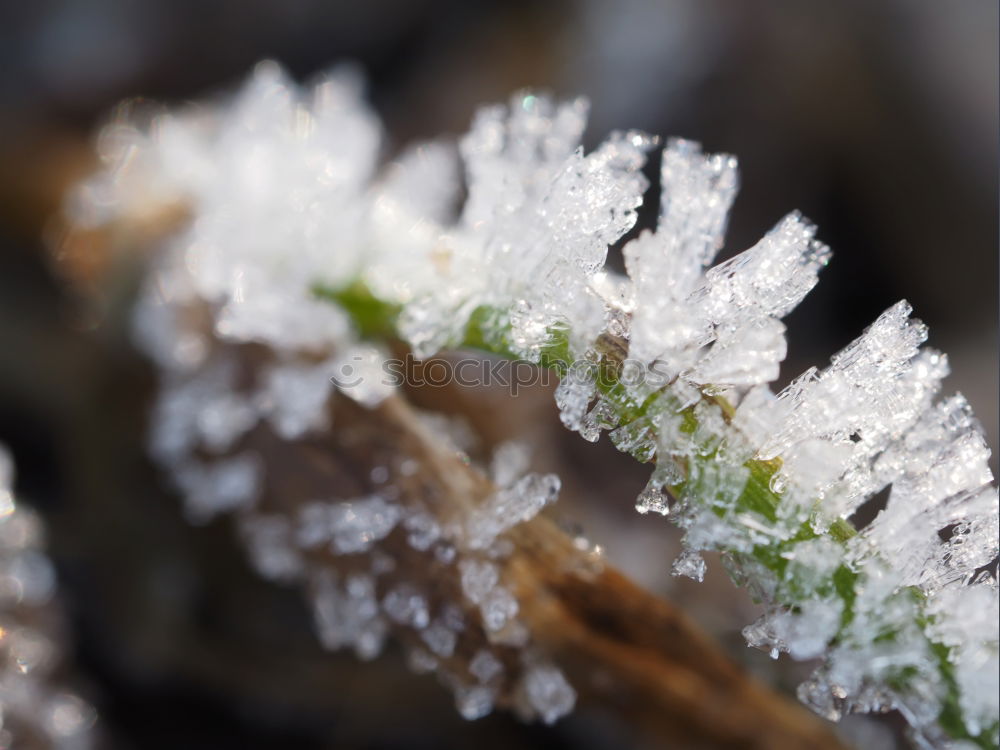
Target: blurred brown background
[[877, 119]]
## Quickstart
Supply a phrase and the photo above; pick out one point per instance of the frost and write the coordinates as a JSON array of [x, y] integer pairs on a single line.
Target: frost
[[689, 564], [226, 164], [510, 462], [349, 527], [271, 547], [420, 661], [360, 374], [907, 531], [968, 622], [480, 584], [405, 605], [498, 608], [652, 499], [423, 530], [348, 615], [547, 693], [440, 639], [294, 398], [290, 212], [474, 702], [222, 421], [219, 487], [772, 277], [718, 326], [573, 395], [199, 410], [665, 267], [510, 506], [534, 230], [485, 666], [871, 394], [479, 578], [805, 634]]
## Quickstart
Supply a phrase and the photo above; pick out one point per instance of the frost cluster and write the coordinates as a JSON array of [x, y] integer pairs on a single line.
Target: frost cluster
[[36, 709], [366, 563], [534, 230], [770, 481], [246, 348], [285, 195]]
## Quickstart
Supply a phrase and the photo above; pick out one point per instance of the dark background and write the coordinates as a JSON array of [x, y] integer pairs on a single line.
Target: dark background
[[877, 119]]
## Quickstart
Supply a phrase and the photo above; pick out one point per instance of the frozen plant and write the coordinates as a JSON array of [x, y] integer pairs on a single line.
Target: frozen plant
[[300, 243]]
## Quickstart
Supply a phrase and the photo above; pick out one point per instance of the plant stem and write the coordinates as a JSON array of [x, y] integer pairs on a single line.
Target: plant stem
[[376, 319]]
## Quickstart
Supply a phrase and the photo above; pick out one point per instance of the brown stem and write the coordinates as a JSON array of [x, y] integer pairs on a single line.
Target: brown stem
[[624, 648]]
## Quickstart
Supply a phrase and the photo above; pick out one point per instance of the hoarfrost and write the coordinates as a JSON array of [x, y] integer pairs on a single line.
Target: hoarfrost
[[547, 693], [349, 527], [485, 666], [510, 506], [474, 702], [406, 605], [287, 206]]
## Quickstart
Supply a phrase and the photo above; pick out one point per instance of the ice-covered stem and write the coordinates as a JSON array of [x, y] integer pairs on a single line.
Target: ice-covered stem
[[622, 647], [375, 319], [286, 199], [796, 580]]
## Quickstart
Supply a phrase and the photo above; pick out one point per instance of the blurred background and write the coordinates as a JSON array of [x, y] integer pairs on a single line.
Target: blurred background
[[878, 119]]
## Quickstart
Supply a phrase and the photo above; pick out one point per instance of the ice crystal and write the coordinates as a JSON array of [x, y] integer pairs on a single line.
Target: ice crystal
[[349, 527], [348, 614], [293, 397], [547, 692], [405, 605], [719, 326], [485, 666], [423, 530], [690, 564], [510, 506], [479, 578], [440, 639], [272, 547], [220, 486], [287, 201], [474, 702], [534, 230]]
